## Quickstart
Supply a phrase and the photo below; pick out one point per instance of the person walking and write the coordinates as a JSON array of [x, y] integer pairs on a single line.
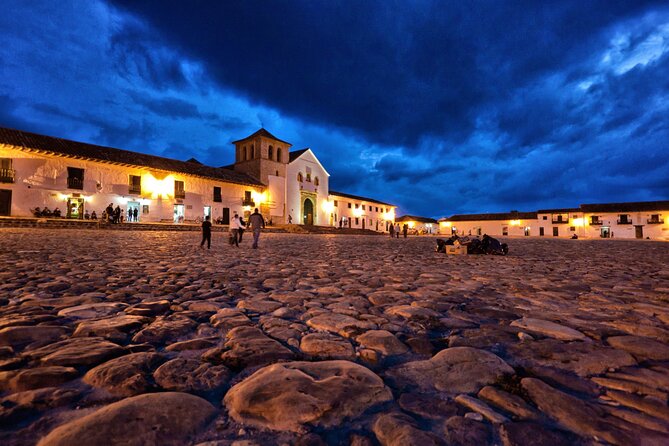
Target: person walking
[[392, 230], [256, 222], [206, 232], [405, 230], [235, 224], [397, 230]]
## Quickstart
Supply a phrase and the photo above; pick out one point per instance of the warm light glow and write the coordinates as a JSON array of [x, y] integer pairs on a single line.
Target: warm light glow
[[448, 224], [158, 188], [357, 212], [328, 206], [577, 222], [390, 215], [259, 197], [88, 199], [514, 222], [412, 224], [62, 197]]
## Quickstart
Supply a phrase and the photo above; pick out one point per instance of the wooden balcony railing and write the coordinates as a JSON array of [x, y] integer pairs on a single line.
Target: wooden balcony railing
[[75, 183], [7, 175]]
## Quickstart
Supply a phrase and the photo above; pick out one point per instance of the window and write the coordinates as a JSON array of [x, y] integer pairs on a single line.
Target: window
[[75, 178], [545, 217], [248, 201], [308, 177], [357, 205], [335, 203], [179, 189], [253, 151], [349, 205], [357, 221], [316, 182], [278, 154], [135, 184], [624, 219], [377, 209], [245, 154], [270, 152], [217, 194], [299, 177], [363, 207], [6, 171]]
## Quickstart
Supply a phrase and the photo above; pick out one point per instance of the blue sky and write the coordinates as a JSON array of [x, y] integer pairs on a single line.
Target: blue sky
[[440, 107]]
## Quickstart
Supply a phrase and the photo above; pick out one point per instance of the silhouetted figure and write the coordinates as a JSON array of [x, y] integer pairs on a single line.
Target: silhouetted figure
[[206, 232]]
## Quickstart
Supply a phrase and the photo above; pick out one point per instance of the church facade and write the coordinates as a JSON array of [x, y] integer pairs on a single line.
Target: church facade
[[79, 178]]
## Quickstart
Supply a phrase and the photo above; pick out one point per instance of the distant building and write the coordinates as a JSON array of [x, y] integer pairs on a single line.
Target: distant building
[[419, 225], [43, 171], [646, 219]]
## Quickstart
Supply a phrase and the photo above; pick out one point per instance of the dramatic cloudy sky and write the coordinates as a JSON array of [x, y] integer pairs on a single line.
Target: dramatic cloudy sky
[[440, 107]]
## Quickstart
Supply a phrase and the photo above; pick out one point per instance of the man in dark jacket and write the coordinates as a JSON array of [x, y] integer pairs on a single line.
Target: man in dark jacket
[[256, 222], [206, 232]]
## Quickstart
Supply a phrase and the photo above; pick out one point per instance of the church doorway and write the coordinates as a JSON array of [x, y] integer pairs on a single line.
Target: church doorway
[[308, 212]]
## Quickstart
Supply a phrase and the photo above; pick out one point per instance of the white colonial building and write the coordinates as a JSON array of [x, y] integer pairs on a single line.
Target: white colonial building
[[647, 219], [79, 178]]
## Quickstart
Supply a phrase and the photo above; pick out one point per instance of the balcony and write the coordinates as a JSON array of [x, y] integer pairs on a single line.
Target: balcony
[[132, 190], [248, 202], [655, 221], [596, 222], [75, 183], [560, 221], [624, 222], [180, 194], [7, 175]]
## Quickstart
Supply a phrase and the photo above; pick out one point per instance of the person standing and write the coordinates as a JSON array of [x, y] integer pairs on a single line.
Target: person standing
[[235, 224], [206, 232], [241, 229], [397, 230], [392, 230], [117, 214], [405, 230], [256, 222], [135, 214]]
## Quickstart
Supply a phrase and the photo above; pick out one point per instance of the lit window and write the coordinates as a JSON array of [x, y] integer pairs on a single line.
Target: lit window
[[299, 177]]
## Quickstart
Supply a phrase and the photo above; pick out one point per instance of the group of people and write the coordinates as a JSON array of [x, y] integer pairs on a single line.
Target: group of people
[[237, 227], [394, 230], [116, 215], [46, 212]]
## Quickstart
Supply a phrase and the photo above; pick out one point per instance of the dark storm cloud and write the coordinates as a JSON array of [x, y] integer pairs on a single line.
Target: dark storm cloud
[[395, 71]]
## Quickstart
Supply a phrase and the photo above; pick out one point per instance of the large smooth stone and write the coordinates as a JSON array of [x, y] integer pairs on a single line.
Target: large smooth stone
[[191, 375], [26, 334], [125, 376], [339, 323], [641, 348], [396, 429], [453, 370], [111, 328], [169, 418], [383, 342], [77, 352], [287, 396], [412, 312], [36, 378], [573, 413], [248, 347], [326, 345], [92, 311], [165, 329], [549, 329]]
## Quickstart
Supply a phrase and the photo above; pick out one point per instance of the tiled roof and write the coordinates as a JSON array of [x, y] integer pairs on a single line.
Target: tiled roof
[[558, 211], [493, 217], [415, 218], [296, 154], [638, 206], [262, 132], [58, 146], [356, 197]]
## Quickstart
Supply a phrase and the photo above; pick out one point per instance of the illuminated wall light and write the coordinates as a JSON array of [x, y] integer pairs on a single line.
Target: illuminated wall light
[[328, 206], [447, 224], [514, 222], [259, 197], [158, 188], [412, 224], [578, 222]]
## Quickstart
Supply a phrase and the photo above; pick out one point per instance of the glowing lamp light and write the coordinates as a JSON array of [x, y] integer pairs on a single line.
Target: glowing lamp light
[[412, 224], [447, 224], [62, 197], [158, 188], [390, 215], [328, 206], [259, 197], [514, 222], [577, 222]]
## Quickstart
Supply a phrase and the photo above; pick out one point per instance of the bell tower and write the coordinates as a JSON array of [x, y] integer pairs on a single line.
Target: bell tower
[[262, 155]]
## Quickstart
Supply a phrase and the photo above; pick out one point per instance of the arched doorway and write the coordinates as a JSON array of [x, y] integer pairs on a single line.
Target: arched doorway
[[308, 212]]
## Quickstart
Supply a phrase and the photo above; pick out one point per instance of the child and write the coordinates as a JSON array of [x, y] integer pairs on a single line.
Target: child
[[206, 232]]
